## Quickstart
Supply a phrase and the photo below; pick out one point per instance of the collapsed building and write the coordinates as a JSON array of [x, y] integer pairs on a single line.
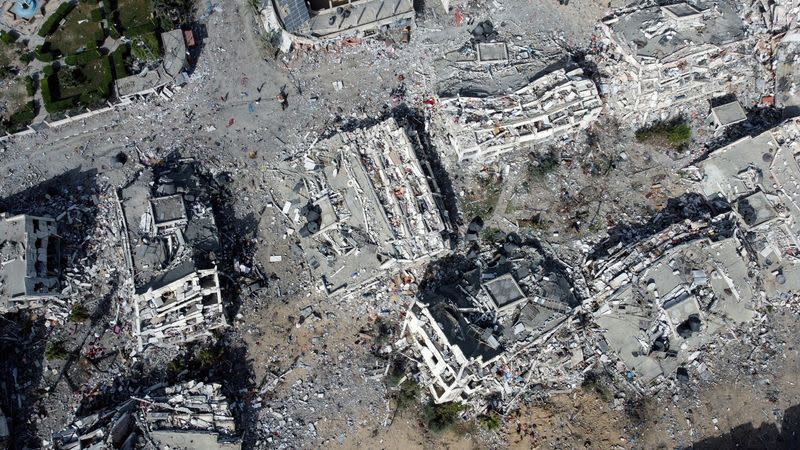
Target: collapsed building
[[760, 177], [367, 203], [557, 104], [774, 27], [172, 242], [29, 273], [188, 415], [656, 58], [483, 329], [659, 299]]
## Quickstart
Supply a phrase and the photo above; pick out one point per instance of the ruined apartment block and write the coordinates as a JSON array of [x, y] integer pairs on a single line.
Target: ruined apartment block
[[188, 415], [372, 203], [659, 300], [662, 57], [481, 334], [29, 274], [556, 104], [172, 240], [760, 177]]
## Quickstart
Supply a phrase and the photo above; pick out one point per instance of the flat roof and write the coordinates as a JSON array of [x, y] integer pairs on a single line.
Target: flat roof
[[167, 209], [729, 113], [648, 33], [504, 290], [682, 9]]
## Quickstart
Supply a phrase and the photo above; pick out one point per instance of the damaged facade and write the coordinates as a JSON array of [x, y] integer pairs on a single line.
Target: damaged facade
[[659, 58], [483, 330], [29, 274], [367, 203], [172, 238], [188, 415], [556, 104]]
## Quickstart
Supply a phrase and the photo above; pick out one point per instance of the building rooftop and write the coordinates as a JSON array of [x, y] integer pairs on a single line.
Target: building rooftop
[[372, 203], [29, 248], [504, 291], [173, 237], [659, 32], [728, 114]]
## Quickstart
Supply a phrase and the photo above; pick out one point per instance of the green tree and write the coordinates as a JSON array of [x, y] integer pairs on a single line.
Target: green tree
[[439, 417]]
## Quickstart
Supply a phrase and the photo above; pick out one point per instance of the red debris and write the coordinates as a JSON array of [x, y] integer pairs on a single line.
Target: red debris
[[231, 121], [458, 17], [768, 100]]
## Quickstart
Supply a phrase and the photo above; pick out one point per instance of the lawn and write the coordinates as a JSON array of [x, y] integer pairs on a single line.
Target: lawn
[[92, 76], [77, 32], [134, 13]]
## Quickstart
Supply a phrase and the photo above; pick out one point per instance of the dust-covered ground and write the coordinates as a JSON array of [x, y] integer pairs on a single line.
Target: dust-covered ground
[[312, 378]]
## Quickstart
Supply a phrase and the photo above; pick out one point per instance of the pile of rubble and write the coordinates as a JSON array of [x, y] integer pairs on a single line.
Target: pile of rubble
[[181, 416]]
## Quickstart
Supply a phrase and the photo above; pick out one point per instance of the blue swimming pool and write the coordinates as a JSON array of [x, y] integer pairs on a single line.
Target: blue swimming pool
[[24, 8]]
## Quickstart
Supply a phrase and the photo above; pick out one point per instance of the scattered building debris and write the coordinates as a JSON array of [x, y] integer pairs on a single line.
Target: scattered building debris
[[188, 415]]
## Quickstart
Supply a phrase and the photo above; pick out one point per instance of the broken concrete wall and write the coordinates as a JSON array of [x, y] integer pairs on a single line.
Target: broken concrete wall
[[556, 104]]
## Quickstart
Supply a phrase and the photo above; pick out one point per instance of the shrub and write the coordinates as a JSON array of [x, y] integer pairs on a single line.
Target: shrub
[[92, 99], [8, 38], [83, 58], [79, 313], [44, 85], [118, 61], [51, 24], [30, 86], [490, 420], [491, 234], [97, 14], [206, 357], [26, 57], [679, 134], [22, 117], [408, 395], [42, 53], [440, 417], [60, 105], [675, 133], [51, 104], [48, 70], [146, 47], [56, 350], [99, 36]]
